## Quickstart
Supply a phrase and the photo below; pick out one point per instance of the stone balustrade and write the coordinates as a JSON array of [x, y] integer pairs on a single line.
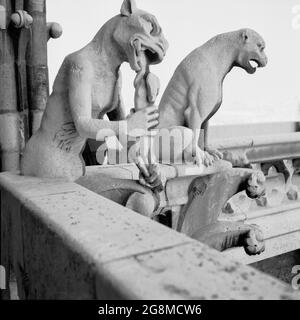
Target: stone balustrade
[[278, 212], [66, 242]]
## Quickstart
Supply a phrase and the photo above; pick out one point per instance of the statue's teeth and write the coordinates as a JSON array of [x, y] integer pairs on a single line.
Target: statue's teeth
[[253, 64]]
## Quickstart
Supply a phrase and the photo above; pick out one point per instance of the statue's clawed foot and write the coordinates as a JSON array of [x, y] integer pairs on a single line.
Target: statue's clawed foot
[[225, 235], [203, 158], [217, 155], [207, 157]]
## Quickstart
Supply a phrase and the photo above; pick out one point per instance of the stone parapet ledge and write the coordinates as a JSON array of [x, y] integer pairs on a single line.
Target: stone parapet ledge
[[260, 148], [66, 242]]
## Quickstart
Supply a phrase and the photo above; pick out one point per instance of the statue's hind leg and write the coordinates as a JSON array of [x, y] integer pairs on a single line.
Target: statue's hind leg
[[127, 193], [143, 203]]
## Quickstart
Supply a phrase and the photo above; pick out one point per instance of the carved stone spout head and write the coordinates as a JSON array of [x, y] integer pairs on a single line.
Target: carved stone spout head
[[255, 185], [140, 36], [251, 52]]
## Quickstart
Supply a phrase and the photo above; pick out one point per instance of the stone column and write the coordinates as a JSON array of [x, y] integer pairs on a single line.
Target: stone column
[[9, 116], [37, 69]]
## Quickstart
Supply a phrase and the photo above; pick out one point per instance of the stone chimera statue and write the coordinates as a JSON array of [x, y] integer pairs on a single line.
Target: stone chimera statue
[[87, 87]]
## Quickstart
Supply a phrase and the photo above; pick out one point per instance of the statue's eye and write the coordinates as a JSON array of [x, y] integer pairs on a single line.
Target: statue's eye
[[151, 25], [260, 47], [152, 28]]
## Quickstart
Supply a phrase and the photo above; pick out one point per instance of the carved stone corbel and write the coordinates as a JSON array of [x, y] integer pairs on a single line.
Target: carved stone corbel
[[207, 196]]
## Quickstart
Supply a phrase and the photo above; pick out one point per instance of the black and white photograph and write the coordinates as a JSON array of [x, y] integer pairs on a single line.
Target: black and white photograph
[[149, 156]]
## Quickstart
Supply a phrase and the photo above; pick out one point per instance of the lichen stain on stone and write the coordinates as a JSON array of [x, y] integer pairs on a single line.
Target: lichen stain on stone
[[148, 264], [230, 269], [198, 188], [244, 275], [199, 255], [171, 288]]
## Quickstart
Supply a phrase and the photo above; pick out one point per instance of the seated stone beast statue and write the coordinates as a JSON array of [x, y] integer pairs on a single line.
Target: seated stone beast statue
[[194, 93], [86, 88]]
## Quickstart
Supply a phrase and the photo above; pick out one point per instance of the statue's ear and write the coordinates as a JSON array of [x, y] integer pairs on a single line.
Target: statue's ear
[[128, 7], [245, 35]]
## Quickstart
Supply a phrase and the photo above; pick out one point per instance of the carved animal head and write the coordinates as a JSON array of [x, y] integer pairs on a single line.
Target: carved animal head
[[139, 35], [255, 185], [251, 51]]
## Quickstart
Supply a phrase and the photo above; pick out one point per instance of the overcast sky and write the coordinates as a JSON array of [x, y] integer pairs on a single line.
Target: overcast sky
[[270, 94]]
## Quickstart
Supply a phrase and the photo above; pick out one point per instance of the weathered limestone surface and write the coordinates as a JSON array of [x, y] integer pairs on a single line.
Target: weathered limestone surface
[[67, 242]]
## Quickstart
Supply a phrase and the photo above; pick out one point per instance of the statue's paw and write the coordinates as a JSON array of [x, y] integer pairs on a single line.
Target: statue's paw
[[254, 241], [203, 158], [217, 155], [153, 86], [208, 159]]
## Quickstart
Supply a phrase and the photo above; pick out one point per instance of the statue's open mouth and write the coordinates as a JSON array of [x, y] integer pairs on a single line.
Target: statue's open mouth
[[146, 54], [253, 64], [152, 56]]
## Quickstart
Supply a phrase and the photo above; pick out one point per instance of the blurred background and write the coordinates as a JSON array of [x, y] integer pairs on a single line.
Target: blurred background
[[270, 95]]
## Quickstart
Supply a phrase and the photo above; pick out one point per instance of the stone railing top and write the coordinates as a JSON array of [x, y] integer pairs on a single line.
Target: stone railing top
[[261, 148], [258, 141], [134, 256], [171, 171]]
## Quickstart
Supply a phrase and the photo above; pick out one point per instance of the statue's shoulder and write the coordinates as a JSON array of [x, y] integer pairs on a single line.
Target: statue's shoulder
[[79, 63], [188, 67]]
